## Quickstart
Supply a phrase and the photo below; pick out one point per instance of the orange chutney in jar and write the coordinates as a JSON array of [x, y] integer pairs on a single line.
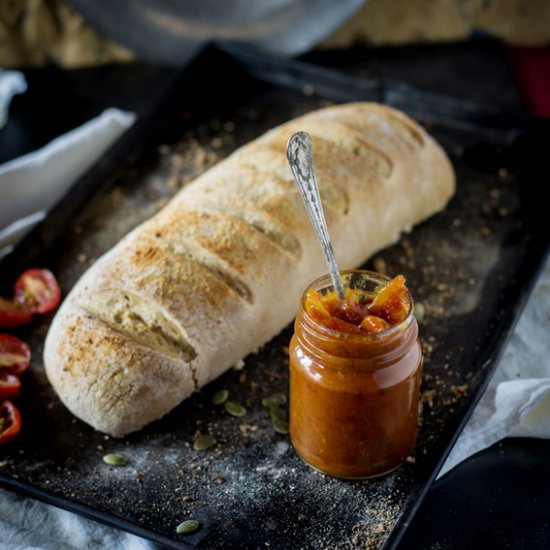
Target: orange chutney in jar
[[354, 376]]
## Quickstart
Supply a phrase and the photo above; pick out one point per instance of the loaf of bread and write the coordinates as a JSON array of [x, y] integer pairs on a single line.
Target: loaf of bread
[[220, 270]]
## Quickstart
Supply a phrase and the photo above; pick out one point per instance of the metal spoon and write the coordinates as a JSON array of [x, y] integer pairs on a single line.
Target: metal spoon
[[298, 152]]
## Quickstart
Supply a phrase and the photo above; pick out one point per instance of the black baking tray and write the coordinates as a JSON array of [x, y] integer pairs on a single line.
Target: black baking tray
[[471, 266]]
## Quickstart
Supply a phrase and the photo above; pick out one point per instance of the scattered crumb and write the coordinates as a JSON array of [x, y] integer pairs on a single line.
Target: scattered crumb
[[380, 265], [239, 365], [308, 90], [460, 390], [427, 397], [229, 126]]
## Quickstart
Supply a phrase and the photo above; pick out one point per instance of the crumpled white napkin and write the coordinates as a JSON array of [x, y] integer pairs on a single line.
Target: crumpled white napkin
[[11, 83], [27, 524], [516, 402], [33, 183]]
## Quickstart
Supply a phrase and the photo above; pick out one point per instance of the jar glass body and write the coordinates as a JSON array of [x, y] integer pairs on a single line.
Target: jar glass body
[[354, 397]]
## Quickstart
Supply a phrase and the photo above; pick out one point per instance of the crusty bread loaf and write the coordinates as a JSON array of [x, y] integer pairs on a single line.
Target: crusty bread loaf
[[220, 270]]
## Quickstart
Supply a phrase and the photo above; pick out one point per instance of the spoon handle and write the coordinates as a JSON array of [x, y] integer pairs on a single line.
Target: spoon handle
[[298, 152]]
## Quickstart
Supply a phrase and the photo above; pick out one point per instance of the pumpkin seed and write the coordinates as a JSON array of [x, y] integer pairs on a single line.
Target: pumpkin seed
[[187, 526], [274, 400], [419, 311], [114, 459], [220, 397], [280, 426], [234, 409], [204, 442], [277, 413]]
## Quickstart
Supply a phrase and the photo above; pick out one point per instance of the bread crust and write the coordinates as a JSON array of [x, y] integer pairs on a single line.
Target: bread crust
[[220, 270]]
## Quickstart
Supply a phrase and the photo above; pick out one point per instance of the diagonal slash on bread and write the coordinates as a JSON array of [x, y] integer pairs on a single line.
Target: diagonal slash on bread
[[220, 270]]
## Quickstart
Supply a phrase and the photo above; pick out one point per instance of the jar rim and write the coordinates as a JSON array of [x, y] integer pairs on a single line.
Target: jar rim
[[352, 337]]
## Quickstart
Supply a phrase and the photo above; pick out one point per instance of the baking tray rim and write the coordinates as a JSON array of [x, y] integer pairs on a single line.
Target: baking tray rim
[[280, 71]]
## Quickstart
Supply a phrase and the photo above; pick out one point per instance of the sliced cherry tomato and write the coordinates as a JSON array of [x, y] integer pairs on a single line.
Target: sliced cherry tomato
[[10, 421], [10, 385], [38, 289], [15, 355], [13, 314]]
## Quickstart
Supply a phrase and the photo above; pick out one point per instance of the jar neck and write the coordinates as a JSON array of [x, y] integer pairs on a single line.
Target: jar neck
[[373, 351]]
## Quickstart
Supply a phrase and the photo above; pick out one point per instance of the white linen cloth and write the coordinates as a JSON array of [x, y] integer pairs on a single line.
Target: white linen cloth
[[11, 83], [516, 403], [27, 524], [33, 183]]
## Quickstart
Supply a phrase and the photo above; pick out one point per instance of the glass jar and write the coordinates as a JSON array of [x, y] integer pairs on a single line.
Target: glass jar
[[354, 397]]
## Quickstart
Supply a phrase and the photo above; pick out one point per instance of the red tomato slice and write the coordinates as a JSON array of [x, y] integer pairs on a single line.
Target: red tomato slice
[[38, 289], [13, 314], [10, 421], [15, 355], [10, 385]]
